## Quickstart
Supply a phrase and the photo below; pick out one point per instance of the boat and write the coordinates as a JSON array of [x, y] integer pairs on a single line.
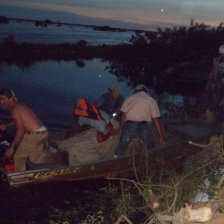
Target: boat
[[170, 156]]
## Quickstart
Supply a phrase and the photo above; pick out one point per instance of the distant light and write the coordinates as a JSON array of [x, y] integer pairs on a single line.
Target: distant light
[[99, 76], [162, 10]]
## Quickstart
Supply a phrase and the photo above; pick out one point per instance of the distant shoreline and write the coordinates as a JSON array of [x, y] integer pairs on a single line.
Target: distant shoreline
[[102, 28]]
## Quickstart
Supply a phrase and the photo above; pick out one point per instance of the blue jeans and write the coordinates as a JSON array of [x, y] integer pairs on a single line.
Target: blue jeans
[[134, 130]]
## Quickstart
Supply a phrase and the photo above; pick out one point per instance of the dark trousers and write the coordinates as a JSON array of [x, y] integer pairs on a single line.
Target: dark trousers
[[217, 95], [134, 130]]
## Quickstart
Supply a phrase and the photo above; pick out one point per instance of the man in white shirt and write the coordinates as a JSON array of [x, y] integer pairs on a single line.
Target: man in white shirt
[[137, 110]]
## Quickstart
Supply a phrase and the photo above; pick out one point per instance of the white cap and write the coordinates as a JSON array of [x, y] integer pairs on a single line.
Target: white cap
[[115, 89], [221, 49], [141, 86]]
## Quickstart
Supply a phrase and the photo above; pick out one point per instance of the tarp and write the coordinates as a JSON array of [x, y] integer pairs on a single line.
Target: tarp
[[84, 147]]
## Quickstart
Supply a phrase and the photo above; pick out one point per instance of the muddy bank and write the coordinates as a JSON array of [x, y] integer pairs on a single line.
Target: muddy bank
[[44, 202]]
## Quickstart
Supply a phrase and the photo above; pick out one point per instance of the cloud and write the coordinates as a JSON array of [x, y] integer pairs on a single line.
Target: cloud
[[139, 12], [120, 15]]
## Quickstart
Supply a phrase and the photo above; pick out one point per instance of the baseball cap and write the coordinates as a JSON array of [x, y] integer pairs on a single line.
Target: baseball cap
[[115, 89], [141, 86]]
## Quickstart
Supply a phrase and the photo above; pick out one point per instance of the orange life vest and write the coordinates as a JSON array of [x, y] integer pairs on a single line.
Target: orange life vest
[[86, 109]]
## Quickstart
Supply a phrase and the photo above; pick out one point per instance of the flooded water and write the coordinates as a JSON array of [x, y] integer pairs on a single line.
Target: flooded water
[[28, 32], [51, 88]]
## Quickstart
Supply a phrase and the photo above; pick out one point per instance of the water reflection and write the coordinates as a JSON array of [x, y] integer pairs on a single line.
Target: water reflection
[[51, 88]]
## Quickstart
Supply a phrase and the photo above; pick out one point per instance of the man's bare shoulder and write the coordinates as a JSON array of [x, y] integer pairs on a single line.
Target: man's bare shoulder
[[19, 106]]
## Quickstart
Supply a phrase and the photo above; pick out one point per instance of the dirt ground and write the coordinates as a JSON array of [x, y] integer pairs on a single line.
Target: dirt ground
[[218, 220]]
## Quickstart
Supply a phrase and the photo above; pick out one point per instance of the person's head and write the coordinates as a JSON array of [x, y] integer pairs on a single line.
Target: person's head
[[140, 87], [7, 97], [114, 91], [221, 51]]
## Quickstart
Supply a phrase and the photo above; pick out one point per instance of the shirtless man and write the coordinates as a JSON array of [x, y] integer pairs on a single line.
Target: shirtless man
[[30, 135]]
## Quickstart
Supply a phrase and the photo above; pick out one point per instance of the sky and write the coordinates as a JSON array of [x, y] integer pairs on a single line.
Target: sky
[[136, 14]]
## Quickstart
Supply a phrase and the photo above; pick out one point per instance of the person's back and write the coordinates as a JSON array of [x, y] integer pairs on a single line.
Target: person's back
[[29, 120], [140, 107], [137, 111]]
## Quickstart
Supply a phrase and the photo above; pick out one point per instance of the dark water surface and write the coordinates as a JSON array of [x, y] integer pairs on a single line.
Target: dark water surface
[[51, 88], [28, 32]]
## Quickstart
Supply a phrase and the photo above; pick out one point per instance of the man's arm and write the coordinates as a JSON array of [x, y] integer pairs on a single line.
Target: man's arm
[[111, 132], [123, 118], [210, 80], [157, 124], [97, 104], [102, 137], [18, 136]]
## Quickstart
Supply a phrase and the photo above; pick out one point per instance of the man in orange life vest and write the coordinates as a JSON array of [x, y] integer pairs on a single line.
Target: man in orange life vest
[[90, 115]]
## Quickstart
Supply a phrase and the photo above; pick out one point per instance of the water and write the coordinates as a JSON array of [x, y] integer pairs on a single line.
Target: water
[[51, 88], [28, 32]]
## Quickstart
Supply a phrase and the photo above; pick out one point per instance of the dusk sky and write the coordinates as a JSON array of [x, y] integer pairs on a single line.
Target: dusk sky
[[147, 14]]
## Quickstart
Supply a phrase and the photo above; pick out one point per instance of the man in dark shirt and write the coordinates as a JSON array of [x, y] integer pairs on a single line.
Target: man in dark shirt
[[110, 103]]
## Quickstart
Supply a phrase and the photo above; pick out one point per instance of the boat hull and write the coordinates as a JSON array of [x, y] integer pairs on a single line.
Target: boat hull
[[169, 156]]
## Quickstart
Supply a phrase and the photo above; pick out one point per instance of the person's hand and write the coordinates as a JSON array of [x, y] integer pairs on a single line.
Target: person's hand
[[3, 127], [9, 152], [162, 141]]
